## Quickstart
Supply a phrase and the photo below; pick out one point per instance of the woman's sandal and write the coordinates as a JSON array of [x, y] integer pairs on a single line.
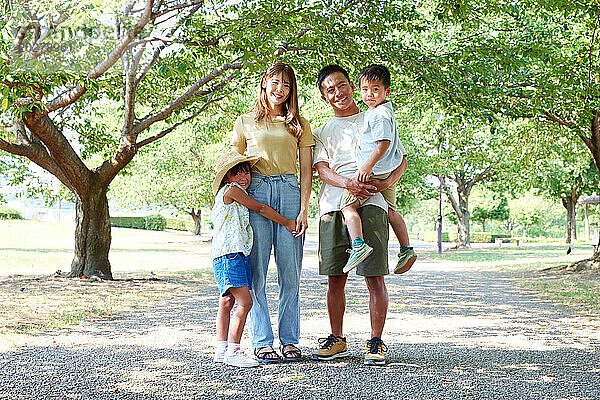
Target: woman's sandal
[[265, 356], [290, 353]]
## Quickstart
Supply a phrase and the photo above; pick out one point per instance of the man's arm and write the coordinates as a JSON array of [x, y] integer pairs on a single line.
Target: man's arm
[[356, 188], [392, 179]]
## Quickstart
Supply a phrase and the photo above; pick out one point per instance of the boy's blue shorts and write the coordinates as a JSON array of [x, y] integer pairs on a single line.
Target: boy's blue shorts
[[232, 270]]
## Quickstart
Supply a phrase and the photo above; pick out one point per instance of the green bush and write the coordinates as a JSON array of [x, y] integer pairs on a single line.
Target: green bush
[[499, 236], [432, 236], [155, 222], [9, 213], [150, 222], [180, 224], [476, 237]]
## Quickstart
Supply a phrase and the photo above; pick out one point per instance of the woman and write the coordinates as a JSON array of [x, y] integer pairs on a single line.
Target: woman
[[275, 131]]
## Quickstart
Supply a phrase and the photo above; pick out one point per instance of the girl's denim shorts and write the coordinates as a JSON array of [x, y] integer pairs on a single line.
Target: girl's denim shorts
[[232, 270]]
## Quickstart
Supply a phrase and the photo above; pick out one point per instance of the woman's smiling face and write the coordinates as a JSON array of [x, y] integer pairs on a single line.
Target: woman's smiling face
[[277, 88]]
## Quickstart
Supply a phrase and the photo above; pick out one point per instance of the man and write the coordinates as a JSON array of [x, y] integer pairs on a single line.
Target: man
[[335, 163]]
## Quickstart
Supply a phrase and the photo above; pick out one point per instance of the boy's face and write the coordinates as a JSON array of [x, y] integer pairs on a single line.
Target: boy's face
[[242, 178], [373, 93], [337, 91]]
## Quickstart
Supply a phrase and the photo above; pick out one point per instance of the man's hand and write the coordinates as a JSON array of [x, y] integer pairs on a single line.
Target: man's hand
[[358, 189], [381, 185]]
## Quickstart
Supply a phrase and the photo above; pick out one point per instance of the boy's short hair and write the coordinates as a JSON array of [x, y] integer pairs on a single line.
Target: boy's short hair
[[376, 72], [328, 70]]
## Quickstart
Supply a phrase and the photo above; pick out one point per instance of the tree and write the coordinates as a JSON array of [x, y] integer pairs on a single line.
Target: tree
[[178, 173], [162, 63], [489, 205], [536, 60], [466, 150], [566, 179], [528, 210]]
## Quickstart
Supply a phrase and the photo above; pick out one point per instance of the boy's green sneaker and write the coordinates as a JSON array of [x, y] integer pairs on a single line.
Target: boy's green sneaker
[[406, 259], [357, 255], [375, 352], [331, 347]]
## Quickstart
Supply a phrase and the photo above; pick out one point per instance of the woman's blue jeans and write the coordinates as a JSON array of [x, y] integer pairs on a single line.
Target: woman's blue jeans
[[282, 193]]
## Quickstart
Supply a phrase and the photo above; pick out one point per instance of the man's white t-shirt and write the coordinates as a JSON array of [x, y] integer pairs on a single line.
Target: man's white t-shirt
[[335, 143]]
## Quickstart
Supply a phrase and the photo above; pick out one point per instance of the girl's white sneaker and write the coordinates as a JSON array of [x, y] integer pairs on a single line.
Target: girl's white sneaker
[[219, 356], [239, 359]]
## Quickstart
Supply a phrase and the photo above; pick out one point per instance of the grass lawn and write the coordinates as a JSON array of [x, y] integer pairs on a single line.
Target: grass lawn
[[529, 257], [152, 267], [41, 248]]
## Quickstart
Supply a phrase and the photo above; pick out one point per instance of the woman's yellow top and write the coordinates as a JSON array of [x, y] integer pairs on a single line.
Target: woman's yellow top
[[272, 142]]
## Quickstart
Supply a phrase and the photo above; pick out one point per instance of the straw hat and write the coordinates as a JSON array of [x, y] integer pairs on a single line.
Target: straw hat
[[228, 161]]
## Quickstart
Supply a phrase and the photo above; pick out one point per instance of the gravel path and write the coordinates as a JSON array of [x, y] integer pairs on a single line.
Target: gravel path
[[452, 333]]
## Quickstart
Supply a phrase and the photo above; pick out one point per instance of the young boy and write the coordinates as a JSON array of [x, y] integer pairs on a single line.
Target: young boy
[[378, 153]]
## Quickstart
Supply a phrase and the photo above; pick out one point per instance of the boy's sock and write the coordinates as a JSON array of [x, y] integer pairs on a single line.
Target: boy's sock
[[232, 348], [357, 242], [403, 248]]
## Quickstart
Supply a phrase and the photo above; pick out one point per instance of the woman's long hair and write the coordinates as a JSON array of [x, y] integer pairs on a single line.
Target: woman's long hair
[[291, 113]]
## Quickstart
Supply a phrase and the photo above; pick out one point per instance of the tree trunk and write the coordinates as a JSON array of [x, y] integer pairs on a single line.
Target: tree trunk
[[461, 209], [570, 202], [92, 236], [464, 221], [197, 217]]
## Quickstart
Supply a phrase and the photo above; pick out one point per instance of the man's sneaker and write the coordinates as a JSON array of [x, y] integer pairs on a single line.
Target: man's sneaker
[[357, 255], [331, 347], [406, 259], [239, 359], [375, 352]]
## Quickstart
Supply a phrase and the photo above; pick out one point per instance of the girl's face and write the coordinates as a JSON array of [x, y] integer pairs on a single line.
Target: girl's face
[[277, 88], [242, 178]]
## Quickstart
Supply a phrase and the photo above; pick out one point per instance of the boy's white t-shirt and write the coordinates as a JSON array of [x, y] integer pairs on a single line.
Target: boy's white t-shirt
[[380, 124], [335, 143], [232, 232]]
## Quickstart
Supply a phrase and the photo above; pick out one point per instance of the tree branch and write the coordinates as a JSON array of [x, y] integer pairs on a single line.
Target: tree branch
[[38, 155], [175, 8], [130, 90], [172, 128], [59, 149], [146, 68], [561, 121], [451, 198], [74, 94], [180, 102]]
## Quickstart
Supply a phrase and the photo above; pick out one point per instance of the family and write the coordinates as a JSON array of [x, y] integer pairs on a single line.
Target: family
[[261, 206]]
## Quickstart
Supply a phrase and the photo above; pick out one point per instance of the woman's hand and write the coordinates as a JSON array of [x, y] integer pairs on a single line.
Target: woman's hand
[[301, 224], [290, 225]]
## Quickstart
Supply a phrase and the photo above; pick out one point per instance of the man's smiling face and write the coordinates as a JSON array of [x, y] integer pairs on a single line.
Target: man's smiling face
[[337, 91]]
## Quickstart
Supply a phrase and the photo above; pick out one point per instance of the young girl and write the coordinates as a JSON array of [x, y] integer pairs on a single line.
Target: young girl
[[275, 131], [231, 245]]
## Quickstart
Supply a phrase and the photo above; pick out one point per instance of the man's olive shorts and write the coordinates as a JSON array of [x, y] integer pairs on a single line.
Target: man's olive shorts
[[334, 241]]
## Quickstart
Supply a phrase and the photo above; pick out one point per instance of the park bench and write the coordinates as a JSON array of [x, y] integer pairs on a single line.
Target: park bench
[[518, 240]]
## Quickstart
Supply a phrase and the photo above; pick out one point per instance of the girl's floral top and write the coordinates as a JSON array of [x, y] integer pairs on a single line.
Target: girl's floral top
[[231, 226]]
